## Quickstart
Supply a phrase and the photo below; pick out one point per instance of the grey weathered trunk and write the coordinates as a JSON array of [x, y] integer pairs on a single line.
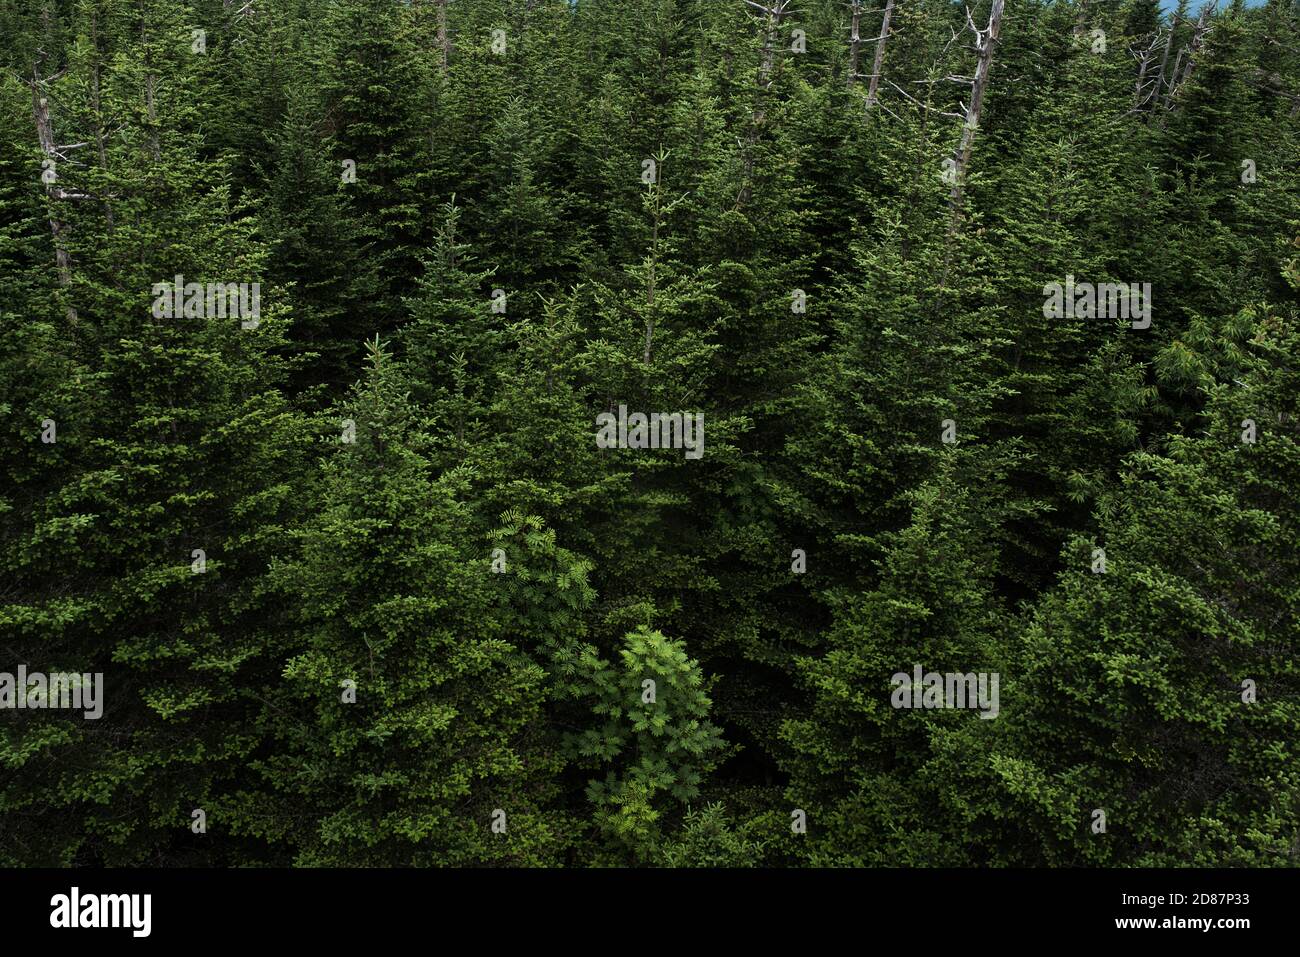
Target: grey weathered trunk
[[1145, 90], [986, 41], [855, 40], [1164, 58], [874, 87], [772, 17], [652, 278], [1173, 82], [1198, 37], [444, 38], [48, 144], [97, 116]]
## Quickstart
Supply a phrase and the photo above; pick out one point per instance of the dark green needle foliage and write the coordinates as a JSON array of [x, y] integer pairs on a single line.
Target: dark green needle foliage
[[920, 353]]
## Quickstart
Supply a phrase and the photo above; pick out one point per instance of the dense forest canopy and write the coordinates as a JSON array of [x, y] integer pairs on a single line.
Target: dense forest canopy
[[524, 432]]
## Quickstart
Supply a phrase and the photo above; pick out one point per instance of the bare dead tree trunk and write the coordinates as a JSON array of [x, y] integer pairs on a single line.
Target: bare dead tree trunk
[[97, 114], [1144, 90], [1177, 79], [1173, 82], [45, 136], [985, 41], [444, 39], [1198, 37], [652, 279], [772, 17], [874, 87], [855, 41], [1137, 88], [1164, 59], [1187, 70]]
